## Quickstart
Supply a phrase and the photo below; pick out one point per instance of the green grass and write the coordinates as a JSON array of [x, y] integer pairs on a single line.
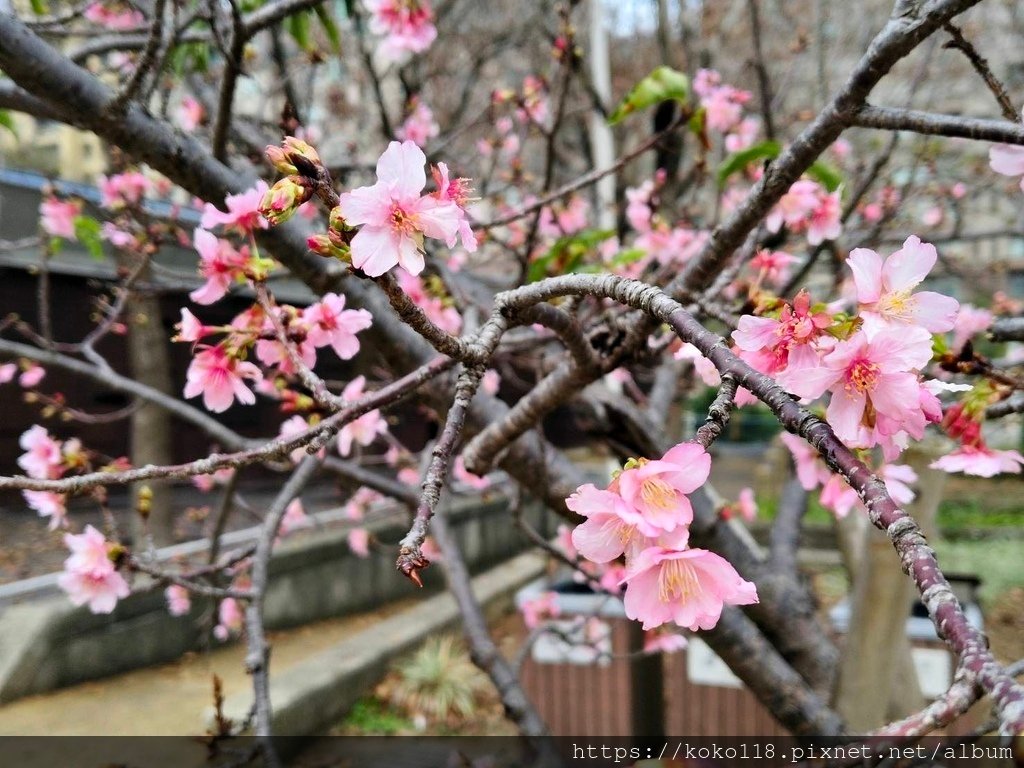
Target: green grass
[[997, 562], [956, 516], [370, 717]]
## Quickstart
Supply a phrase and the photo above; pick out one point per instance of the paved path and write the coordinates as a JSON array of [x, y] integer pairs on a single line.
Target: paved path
[[169, 699]]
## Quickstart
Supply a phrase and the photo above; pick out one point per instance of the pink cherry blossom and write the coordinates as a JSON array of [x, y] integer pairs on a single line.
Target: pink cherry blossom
[[295, 518], [113, 16], [724, 107], [611, 527], [89, 575], [807, 207], [32, 375], [872, 381], [534, 104], [179, 603], [294, 426], [810, 468], [884, 290], [773, 265], [490, 382], [220, 379], [688, 588], [229, 619], [395, 217], [42, 458], [456, 191], [123, 189], [1008, 160], [742, 135], [701, 365], [787, 344], [57, 217], [331, 324], [467, 478], [47, 504], [190, 115], [419, 127], [558, 220], [208, 482], [272, 352], [980, 460], [638, 207], [220, 263], [243, 212], [440, 313], [840, 498], [542, 607], [705, 81], [7, 372], [657, 489], [359, 542], [747, 504], [116, 236], [406, 25], [190, 328], [663, 642], [363, 430], [970, 320], [431, 551]]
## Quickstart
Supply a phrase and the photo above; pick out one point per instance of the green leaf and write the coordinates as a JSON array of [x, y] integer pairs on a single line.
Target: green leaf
[[87, 231], [567, 253], [298, 27], [330, 27], [40, 7], [626, 257], [662, 84], [763, 150], [7, 121], [826, 175]]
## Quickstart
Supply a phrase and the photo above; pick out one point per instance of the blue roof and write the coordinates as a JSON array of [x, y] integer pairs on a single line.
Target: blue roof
[[37, 181]]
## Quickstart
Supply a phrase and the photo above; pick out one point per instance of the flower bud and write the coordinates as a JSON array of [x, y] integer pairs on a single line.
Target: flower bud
[[336, 221], [284, 198], [298, 148], [279, 159], [324, 245]]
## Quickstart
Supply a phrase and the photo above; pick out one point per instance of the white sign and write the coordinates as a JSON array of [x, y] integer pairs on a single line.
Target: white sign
[[934, 670], [703, 666]]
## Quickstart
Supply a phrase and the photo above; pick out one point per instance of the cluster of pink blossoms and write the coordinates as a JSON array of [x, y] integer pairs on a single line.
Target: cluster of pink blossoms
[[723, 107], [46, 458], [218, 372], [658, 239], [90, 575], [394, 217], [870, 365], [419, 126], [114, 15], [57, 217], [807, 207], [973, 456], [407, 26], [644, 516]]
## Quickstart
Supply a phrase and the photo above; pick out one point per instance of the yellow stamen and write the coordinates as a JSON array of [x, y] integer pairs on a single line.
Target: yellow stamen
[[677, 581]]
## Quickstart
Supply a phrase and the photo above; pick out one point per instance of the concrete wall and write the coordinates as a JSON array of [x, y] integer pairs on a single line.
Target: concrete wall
[[47, 643]]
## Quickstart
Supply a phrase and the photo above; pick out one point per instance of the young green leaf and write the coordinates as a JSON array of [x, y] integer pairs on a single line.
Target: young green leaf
[[7, 121], [763, 150], [87, 231], [827, 175], [330, 27], [662, 84]]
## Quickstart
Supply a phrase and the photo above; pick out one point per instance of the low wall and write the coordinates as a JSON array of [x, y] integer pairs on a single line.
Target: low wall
[[46, 643]]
